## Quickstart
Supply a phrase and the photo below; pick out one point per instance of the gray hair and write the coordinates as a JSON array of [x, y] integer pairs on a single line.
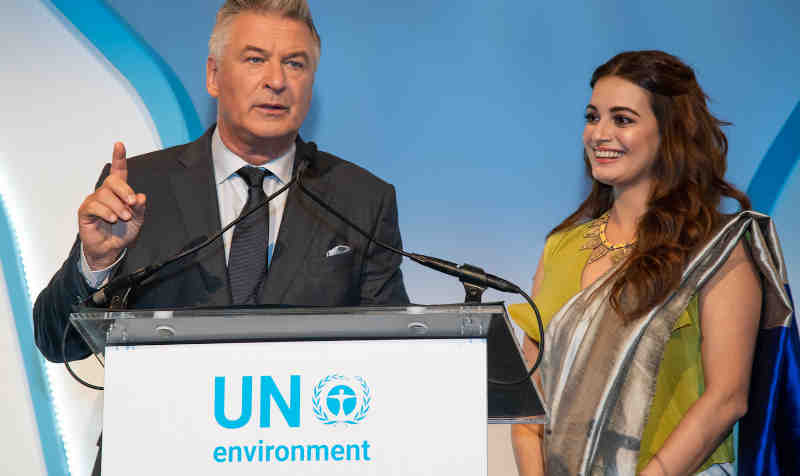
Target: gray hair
[[295, 9]]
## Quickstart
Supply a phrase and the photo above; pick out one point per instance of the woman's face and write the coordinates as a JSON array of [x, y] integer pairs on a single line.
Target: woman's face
[[621, 136]]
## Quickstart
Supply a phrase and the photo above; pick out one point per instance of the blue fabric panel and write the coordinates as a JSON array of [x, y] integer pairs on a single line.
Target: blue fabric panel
[[769, 438]]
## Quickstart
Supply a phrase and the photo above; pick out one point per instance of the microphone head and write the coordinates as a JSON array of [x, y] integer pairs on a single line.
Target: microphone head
[[301, 167], [305, 154]]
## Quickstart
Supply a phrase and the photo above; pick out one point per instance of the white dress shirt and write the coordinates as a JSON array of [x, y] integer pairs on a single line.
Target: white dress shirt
[[232, 189], [231, 197]]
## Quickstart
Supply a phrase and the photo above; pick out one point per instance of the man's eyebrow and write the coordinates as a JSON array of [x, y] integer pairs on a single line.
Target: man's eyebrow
[[295, 54], [256, 49]]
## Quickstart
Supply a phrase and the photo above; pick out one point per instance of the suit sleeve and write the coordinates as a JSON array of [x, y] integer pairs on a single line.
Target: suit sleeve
[[381, 277], [55, 303], [53, 307]]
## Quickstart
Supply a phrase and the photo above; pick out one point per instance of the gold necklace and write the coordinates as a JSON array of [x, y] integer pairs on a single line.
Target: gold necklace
[[598, 243]]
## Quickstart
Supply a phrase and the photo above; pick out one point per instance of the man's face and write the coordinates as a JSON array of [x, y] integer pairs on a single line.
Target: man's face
[[263, 81]]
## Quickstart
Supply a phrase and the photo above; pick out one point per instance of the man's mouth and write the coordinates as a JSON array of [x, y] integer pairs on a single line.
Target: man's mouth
[[272, 107]]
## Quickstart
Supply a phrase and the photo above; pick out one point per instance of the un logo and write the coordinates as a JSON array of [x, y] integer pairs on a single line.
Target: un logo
[[339, 399]]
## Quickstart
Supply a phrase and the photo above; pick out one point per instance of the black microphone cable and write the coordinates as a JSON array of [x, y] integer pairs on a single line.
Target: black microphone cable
[[69, 368], [448, 267]]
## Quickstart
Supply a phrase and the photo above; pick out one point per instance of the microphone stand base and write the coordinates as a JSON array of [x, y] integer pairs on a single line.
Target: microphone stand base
[[473, 292]]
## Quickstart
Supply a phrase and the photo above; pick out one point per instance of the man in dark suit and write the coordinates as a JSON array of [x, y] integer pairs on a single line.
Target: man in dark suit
[[261, 66]]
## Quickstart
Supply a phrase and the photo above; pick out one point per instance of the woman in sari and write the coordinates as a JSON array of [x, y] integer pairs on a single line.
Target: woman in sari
[[651, 296]]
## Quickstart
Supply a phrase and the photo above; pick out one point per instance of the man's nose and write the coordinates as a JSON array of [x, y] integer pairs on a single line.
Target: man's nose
[[275, 77]]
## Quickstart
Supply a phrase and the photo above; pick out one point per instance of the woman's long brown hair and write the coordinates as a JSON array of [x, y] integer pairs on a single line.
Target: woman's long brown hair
[[683, 209]]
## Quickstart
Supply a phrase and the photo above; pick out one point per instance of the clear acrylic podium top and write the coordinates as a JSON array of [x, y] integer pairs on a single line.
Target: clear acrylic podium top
[[507, 403]]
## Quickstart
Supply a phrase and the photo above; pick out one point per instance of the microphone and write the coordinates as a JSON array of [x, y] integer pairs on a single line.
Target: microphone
[[131, 280], [102, 295], [465, 273]]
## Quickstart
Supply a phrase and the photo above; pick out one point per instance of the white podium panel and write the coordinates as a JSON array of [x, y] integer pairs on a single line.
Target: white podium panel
[[388, 407]]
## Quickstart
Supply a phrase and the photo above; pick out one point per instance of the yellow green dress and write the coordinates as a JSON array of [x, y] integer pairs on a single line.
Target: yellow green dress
[[680, 379]]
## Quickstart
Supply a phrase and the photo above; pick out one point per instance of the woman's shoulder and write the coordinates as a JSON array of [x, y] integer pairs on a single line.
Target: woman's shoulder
[[737, 267]]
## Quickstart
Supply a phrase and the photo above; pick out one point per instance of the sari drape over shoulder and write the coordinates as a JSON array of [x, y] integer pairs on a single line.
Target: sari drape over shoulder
[[599, 375]]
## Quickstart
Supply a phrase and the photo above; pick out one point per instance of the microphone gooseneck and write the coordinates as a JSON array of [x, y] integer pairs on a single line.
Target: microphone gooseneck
[[465, 273]]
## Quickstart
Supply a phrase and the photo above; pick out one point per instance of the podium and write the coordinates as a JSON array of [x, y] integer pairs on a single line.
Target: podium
[[366, 390]]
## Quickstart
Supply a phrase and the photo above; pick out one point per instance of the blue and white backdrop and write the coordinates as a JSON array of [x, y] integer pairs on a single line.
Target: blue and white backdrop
[[472, 109]]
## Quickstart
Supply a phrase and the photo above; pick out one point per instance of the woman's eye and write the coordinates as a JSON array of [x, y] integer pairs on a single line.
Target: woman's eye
[[590, 117], [622, 120], [255, 59]]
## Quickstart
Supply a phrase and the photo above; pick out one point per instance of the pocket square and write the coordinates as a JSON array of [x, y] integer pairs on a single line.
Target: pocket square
[[337, 250]]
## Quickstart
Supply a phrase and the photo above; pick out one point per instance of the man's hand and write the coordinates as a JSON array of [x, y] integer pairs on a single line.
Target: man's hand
[[110, 218]]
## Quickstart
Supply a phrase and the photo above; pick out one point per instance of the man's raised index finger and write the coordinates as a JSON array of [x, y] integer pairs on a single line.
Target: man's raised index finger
[[118, 164]]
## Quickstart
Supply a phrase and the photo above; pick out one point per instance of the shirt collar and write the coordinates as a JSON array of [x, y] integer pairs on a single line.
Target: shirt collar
[[226, 163]]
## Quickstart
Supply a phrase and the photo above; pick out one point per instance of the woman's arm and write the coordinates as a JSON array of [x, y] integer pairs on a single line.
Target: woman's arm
[[526, 438], [730, 307]]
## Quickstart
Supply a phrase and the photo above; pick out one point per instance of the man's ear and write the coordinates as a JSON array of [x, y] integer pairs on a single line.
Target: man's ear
[[212, 69]]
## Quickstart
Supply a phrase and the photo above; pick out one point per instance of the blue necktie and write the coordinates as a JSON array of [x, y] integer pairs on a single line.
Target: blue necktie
[[247, 264]]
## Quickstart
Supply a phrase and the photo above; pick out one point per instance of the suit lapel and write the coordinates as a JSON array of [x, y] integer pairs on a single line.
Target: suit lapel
[[196, 196], [299, 227]]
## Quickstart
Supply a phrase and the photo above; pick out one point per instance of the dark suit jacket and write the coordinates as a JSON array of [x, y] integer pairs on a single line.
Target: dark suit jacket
[[182, 206]]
